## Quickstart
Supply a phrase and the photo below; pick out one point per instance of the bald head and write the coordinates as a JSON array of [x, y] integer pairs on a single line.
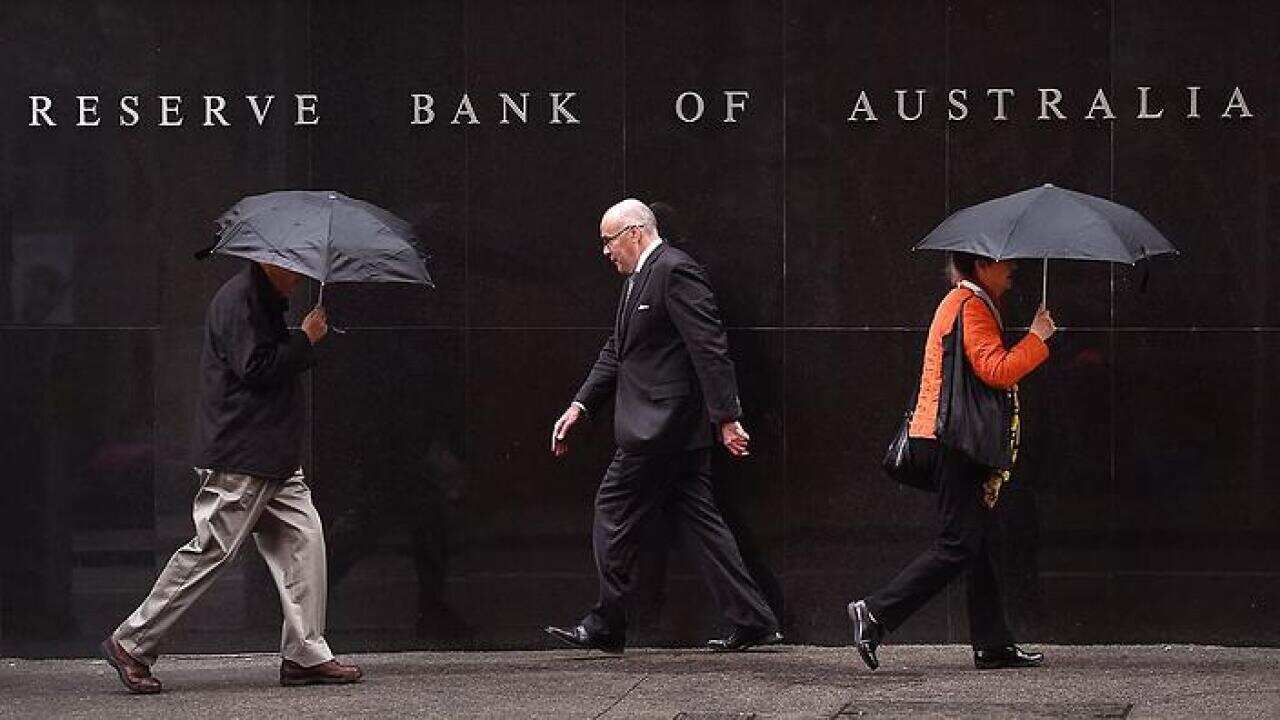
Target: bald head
[[632, 212], [626, 230]]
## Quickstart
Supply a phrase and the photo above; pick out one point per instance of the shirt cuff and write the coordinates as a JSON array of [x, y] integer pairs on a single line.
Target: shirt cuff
[[581, 407]]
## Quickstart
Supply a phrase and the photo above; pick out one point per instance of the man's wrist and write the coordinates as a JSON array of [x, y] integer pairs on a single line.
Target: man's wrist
[[582, 408]]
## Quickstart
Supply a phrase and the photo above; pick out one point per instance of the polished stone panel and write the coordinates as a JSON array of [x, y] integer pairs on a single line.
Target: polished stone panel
[[849, 528], [988, 158], [390, 478], [720, 174], [368, 147], [675, 607], [532, 539], [536, 190], [199, 172], [1192, 531], [860, 193], [1199, 180], [78, 238], [1053, 518], [79, 452]]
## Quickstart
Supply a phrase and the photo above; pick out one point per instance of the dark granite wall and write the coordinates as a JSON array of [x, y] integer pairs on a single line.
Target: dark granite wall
[[1145, 510]]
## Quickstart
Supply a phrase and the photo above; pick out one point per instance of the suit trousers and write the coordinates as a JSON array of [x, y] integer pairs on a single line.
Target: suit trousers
[[634, 490], [287, 530], [963, 544]]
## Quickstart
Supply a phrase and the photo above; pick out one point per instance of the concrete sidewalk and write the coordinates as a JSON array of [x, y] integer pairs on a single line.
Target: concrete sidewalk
[[787, 681]]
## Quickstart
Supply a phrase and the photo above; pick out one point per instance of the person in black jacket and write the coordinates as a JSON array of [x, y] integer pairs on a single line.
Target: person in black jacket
[[668, 369], [251, 419]]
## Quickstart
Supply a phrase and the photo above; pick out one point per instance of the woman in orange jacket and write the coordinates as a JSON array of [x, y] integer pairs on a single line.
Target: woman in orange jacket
[[972, 456]]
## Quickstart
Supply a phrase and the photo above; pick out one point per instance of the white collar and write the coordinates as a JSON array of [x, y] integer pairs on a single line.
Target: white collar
[[977, 290], [645, 255]]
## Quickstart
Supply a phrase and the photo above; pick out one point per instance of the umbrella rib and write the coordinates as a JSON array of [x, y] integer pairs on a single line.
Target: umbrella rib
[[1009, 237], [408, 241], [265, 241], [328, 241], [1105, 220]]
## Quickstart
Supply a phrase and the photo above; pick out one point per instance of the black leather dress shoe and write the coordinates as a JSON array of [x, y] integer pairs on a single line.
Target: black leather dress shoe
[[579, 637], [1010, 656], [867, 633], [744, 639]]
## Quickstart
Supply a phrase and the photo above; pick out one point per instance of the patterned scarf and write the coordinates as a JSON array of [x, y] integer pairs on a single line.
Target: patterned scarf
[[999, 478]]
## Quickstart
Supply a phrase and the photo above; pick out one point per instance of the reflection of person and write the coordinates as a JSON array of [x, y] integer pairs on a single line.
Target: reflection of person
[[408, 481], [251, 421], [667, 365], [967, 486], [43, 290]]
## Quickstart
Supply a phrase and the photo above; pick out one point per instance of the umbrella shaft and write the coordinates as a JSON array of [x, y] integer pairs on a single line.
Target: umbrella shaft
[[1043, 286]]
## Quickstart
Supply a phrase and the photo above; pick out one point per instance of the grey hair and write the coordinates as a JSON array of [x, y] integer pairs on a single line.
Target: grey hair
[[633, 212]]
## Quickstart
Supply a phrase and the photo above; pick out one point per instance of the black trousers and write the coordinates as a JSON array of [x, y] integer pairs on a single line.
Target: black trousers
[[634, 491], [963, 544]]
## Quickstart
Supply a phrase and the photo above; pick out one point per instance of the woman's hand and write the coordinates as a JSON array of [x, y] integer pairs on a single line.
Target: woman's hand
[[991, 489], [1043, 325]]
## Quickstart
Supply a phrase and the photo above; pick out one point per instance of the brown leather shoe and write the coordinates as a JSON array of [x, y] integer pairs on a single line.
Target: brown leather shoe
[[134, 674], [326, 673]]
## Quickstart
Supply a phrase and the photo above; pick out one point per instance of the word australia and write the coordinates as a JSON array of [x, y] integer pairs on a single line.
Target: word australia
[[911, 104]]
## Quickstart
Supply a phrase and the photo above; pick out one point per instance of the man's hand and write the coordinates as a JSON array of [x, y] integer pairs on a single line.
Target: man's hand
[[559, 444], [316, 324], [734, 438], [1043, 324]]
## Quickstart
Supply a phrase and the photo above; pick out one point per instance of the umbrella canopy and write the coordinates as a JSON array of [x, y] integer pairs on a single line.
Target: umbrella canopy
[[324, 235], [1049, 222]]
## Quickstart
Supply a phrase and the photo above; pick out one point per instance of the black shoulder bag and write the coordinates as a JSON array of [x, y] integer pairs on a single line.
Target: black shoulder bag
[[973, 417], [910, 460]]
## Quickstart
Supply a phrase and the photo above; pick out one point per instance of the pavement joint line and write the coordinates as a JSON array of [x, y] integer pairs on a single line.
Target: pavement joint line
[[621, 697], [1220, 691]]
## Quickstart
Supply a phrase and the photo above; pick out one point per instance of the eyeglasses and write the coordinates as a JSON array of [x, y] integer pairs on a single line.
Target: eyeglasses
[[609, 239]]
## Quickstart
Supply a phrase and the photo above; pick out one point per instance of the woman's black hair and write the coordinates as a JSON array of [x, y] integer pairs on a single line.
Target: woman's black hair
[[962, 266]]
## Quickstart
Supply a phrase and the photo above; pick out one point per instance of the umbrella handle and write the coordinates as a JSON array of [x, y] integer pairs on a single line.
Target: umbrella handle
[[320, 304], [1043, 286]]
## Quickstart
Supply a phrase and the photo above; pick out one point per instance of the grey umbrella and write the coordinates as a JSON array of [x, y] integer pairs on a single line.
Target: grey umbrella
[[324, 235], [1049, 222]]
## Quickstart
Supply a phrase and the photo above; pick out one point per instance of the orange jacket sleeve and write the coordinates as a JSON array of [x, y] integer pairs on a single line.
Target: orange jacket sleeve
[[984, 347]]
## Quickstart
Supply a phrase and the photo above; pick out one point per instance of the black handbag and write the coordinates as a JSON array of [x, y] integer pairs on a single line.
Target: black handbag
[[910, 461], [973, 417]]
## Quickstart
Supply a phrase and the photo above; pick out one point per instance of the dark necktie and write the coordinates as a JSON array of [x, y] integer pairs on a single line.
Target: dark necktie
[[622, 306]]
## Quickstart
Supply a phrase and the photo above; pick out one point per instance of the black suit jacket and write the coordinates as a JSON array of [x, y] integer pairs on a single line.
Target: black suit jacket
[[667, 362]]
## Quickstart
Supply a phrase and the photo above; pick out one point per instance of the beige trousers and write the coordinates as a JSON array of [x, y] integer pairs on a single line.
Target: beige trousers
[[287, 530]]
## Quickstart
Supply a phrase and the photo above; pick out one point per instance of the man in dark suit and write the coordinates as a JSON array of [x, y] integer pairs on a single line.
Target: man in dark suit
[[667, 366]]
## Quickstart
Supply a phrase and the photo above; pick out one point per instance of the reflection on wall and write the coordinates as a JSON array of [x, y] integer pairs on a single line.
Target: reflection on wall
[[42, 269]]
